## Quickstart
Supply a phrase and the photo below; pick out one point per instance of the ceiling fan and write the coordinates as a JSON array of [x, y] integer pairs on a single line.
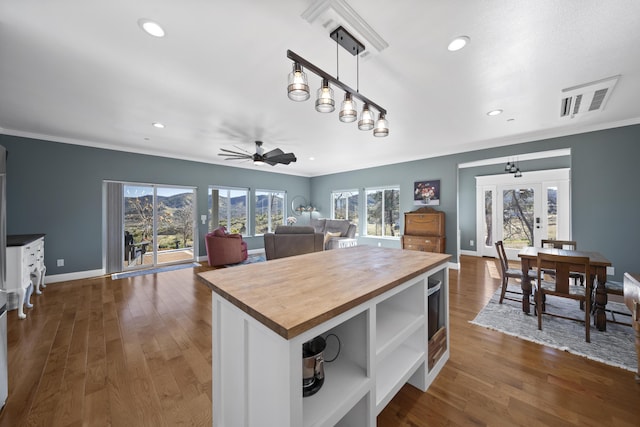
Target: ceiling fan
[[272, 157]]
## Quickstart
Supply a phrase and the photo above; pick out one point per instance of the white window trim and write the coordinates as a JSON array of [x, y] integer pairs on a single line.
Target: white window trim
[[247, 232], [284, 205], [366, 217]]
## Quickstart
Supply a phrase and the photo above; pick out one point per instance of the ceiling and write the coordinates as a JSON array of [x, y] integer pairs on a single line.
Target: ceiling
[[83, 72]]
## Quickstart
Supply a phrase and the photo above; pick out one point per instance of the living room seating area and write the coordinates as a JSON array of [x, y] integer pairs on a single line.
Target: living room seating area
[[225, 248], [338, 233], [289, 240]]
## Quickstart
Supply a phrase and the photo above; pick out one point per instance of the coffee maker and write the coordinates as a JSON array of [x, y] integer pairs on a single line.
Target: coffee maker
[[313, 363], [313, 366]]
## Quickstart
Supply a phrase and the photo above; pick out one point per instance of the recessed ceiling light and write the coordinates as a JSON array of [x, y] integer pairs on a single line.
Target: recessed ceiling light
[[158, 125], [150, 27], [494, 112], [458, 43], [312, 158]]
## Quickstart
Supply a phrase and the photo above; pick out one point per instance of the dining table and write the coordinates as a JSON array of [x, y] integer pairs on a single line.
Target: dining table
[[598, 264]]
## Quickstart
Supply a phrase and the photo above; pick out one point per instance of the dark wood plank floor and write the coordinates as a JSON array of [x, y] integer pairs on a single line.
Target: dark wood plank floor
[[137, 352]]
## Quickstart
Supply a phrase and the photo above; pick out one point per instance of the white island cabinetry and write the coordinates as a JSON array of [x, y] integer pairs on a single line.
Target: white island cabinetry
[[373, 299]]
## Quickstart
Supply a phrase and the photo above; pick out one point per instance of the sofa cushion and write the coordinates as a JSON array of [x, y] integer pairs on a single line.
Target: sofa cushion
[[329, 235], [294, 229], [318, 224]]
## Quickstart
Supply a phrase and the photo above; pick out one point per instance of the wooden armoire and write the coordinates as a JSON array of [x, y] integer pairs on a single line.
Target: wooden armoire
[[424, 230]]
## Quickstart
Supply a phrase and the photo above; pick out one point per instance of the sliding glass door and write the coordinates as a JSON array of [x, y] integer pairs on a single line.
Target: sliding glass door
[[159, 225]]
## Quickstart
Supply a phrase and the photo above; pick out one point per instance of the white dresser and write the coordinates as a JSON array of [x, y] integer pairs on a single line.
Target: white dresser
[[25, 270]]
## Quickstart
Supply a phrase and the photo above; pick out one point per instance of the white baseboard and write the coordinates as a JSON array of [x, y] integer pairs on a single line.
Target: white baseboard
[[469, 253], [73, 276], [101, 272]]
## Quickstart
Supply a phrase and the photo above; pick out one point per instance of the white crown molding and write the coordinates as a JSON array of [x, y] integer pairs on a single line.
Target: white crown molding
[[520, 157]]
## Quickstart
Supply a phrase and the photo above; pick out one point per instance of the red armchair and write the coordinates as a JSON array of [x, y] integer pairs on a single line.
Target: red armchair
[[224, 248]]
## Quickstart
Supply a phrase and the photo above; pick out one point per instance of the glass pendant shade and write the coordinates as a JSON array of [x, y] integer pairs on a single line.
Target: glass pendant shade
[[366, 119], [325, 102], [382, 127], [298, 89], [507, 168], [348, 112]]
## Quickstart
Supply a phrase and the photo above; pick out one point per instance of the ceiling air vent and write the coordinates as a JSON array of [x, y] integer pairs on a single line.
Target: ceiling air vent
[[331, 14], [586, 98]]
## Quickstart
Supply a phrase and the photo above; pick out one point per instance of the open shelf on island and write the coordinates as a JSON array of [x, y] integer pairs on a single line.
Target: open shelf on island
[[358, 415], [398, 317], [395, 369], [345, 384]]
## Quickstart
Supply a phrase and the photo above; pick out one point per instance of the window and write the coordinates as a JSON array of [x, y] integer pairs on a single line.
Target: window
[[269, 210], [383, 212], [344, 205], [228, 207]]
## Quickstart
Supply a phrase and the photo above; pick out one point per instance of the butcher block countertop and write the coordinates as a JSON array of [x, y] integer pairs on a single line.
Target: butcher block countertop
[[292, 295]]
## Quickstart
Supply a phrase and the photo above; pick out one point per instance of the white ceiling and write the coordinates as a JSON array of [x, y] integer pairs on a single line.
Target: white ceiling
[[83, 72]]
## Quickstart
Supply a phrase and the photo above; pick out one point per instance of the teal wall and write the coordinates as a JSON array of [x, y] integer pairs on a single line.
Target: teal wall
[[404, 175], [56, 189], [604, 179]]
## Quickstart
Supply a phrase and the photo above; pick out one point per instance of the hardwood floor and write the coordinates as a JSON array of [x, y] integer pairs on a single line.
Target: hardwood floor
[[137, 352]]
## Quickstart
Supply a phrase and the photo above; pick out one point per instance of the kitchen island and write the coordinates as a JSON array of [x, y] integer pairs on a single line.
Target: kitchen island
[[374, 299]]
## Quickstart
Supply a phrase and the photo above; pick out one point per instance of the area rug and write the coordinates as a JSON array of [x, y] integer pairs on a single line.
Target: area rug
[[251, 259], [614, 347], [126, 274]]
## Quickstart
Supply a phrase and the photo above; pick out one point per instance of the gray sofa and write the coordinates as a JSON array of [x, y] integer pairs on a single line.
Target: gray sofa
[[343, 233], [292, 240]]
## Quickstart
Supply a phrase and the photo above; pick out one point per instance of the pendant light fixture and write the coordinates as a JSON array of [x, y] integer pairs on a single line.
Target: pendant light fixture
[[349, 109], [366, 119], [298, 89], [382, 127], [325, 102], [514, 168]]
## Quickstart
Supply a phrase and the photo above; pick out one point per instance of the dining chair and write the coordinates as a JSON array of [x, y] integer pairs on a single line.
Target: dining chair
[[616, 288], [507, 273], [571, 245], [560, 286]]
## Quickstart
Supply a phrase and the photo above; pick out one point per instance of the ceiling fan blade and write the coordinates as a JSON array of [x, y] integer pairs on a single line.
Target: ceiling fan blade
[[273, 157], [239, 158], [273, 153], [234, 152], [284, 158], [235, 156]]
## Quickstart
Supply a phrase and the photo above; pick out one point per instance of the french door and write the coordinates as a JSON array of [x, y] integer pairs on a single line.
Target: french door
[[161, 224], [522, 211]]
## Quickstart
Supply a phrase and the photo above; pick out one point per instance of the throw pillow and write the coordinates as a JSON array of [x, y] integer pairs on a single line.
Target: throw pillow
[[331, 234]]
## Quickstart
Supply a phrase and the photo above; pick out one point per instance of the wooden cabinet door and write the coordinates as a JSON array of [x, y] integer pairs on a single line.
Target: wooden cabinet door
[[424, 224]]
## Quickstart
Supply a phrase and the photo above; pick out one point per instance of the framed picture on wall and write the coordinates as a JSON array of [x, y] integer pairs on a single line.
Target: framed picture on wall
[[426, 193]]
